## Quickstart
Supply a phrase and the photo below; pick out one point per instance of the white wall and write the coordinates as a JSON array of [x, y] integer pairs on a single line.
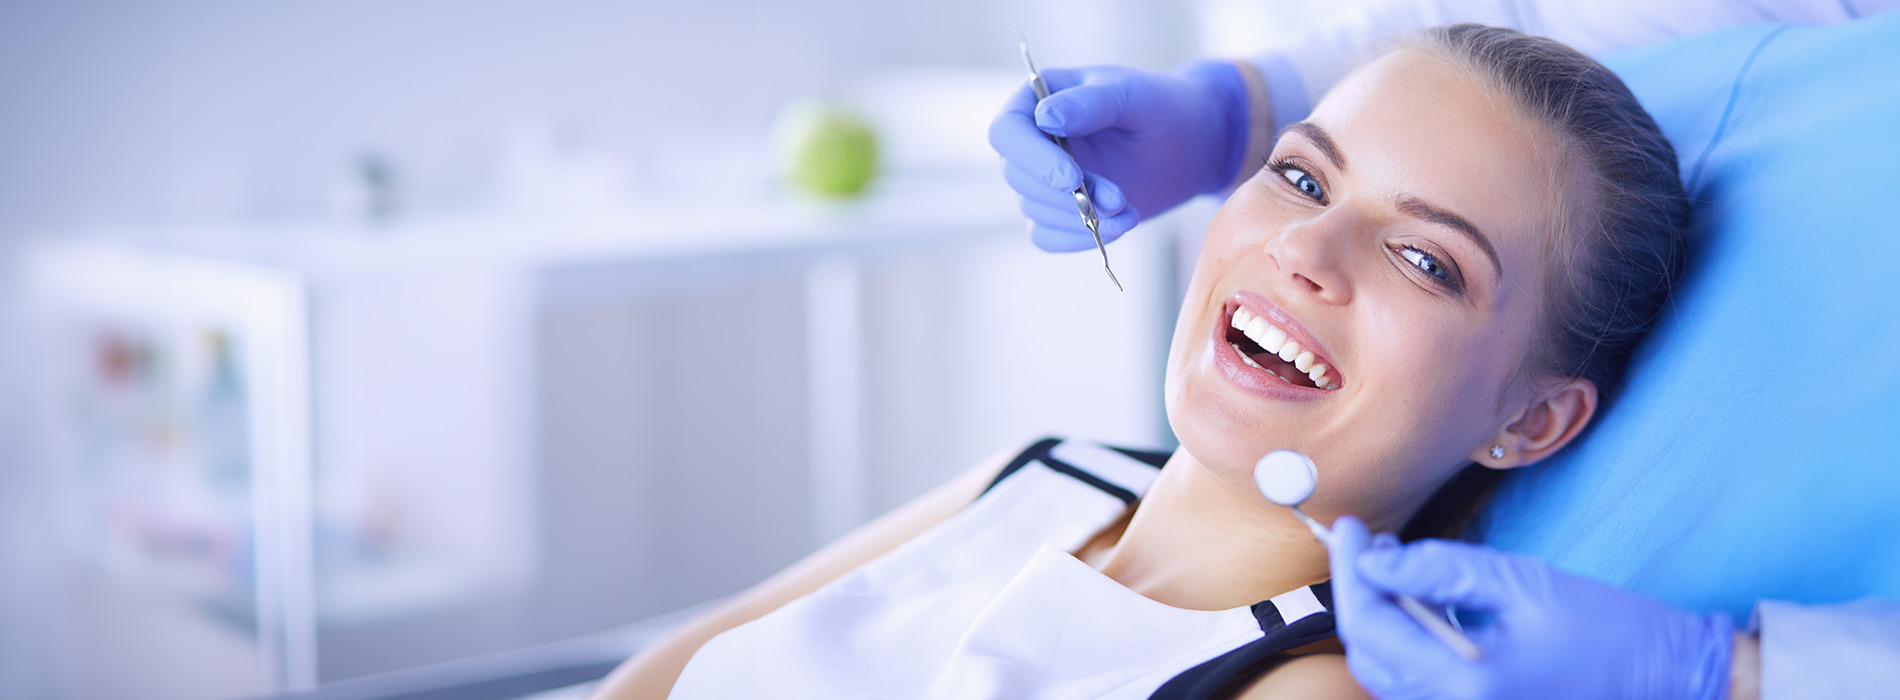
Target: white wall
[[131, 115], [157, 112]]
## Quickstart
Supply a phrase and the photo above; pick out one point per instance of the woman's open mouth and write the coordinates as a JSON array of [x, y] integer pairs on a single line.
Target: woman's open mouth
[[1262, 346]]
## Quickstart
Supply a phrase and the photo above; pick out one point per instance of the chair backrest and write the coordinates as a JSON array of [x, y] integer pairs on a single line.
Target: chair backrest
[[1756, 451]]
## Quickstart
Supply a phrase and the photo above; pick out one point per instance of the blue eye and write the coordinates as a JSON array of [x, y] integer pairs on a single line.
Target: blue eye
[[1426, 262], [1301, 180]]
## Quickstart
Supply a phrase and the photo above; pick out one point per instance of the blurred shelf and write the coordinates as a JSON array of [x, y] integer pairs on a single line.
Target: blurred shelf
[[915, 210]]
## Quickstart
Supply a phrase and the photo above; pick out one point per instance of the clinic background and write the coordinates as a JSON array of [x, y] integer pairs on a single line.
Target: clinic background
[[382, 347]]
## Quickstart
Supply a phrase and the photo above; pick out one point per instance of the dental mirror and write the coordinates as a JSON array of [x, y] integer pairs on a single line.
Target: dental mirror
[[1288, 478]]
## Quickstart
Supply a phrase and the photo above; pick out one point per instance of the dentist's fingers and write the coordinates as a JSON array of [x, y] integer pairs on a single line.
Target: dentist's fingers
[[1385, 647], [1104, 194], [1059, 229], [1060, 79], [1014, 135], [1355, 608], [1445, 572], [1350, 597], [1083, 109]]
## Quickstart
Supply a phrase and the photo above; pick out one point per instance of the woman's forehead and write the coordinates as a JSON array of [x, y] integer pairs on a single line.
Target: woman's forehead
[[1413, 126]]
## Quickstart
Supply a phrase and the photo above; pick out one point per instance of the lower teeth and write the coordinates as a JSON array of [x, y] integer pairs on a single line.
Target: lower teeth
[[1249, 360], [1256, 365]]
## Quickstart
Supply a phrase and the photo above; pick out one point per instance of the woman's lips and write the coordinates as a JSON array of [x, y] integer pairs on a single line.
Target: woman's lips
[[1272, 313], [1274, 326]]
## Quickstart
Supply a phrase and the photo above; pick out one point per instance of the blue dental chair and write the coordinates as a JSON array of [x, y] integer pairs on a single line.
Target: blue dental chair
[[1755, 453]]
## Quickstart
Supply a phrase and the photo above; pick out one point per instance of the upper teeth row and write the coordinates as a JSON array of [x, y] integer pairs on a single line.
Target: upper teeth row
[[1275, 341]]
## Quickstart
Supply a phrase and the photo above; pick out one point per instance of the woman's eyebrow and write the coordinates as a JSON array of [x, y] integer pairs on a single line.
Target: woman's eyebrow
[[1321, 139], [1424, 211]]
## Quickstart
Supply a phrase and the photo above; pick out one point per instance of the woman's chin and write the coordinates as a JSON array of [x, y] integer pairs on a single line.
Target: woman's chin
[[1222, 441]]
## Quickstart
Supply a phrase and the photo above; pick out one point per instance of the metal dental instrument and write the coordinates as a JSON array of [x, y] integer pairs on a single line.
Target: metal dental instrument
[[1082, 202], [1288, 478]]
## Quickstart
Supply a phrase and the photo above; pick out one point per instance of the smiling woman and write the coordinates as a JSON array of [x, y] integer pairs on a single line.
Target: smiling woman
[[1438, 275]]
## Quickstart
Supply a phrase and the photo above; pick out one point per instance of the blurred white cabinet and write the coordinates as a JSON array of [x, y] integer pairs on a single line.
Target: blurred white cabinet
[[511, 432]]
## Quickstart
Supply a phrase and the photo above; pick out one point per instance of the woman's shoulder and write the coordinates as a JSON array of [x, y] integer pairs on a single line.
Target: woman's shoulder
[[1319, 676]]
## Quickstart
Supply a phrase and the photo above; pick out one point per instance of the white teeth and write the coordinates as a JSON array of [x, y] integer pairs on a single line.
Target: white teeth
[[1272, 340], [1318, 375], [1275, 341], [1245, 358], [1255, 329]]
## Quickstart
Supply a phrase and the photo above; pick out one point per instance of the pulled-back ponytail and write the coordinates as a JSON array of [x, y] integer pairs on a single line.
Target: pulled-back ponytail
[[1618, 247]]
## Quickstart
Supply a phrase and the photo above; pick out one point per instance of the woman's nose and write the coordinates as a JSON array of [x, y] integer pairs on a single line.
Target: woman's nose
[[1313, 256]]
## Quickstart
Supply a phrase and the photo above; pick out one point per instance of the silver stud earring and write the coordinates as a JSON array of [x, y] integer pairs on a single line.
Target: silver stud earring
[[1497, 452]]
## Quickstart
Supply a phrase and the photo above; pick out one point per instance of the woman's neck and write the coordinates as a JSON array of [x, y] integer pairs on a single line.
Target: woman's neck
[[1199, 543]]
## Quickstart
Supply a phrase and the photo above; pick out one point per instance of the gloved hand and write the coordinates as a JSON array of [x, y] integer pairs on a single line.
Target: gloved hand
[[1550, 636], [1148, 141]]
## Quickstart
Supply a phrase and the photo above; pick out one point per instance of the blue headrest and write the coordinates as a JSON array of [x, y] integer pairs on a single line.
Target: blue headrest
[[1755, 452]]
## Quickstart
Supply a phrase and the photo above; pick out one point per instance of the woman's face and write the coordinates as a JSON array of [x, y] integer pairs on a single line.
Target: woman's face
[[1397, 234]]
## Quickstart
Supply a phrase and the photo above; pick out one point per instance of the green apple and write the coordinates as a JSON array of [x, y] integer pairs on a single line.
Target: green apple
[[825, 149]]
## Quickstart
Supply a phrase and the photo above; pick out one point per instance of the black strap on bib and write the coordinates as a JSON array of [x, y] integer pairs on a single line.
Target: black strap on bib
[[1040, 452], [1226, 675]]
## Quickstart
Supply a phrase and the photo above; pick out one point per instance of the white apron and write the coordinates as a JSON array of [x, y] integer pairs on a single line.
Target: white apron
[[990, 604]]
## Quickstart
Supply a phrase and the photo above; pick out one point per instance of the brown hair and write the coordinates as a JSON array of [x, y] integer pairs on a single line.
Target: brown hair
[[1618, 244]]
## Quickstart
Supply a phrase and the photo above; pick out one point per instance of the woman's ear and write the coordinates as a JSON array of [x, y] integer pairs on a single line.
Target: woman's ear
[[1545, 426]]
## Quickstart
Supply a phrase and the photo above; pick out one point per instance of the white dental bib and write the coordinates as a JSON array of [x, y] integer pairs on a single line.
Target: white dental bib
[[990, 604]]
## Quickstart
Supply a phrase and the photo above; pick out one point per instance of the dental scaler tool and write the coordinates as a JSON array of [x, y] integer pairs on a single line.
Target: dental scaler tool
[[1082, 202], [1288, 478]]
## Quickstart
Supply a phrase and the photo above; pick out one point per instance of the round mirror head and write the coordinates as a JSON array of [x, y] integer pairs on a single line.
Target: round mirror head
[[1286, 477]]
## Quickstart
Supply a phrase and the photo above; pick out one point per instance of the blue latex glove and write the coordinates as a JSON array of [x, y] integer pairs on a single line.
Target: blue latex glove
[[1148, 141], [1550, 635]]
